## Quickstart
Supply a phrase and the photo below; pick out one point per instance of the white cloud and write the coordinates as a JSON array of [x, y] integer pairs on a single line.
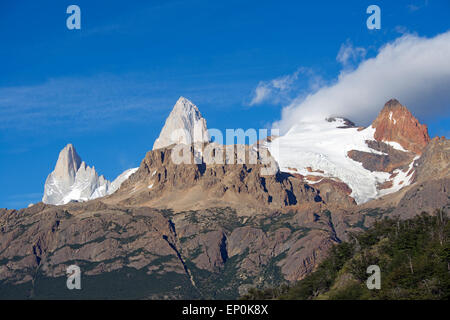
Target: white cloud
[[415, 7], [348, 54], [262, 93], [274, 90], [280, 90], [413, 69]]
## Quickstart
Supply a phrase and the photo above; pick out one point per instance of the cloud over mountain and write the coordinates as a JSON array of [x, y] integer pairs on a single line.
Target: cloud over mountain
[[413, 69], [348, 53]]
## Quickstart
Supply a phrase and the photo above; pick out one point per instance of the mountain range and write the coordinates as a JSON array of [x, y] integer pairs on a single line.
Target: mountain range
[[211, 229]]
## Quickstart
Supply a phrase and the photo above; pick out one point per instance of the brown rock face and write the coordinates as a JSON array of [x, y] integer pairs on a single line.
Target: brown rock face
[[430, 185], [161, 183], [212, 253], [435, 161], [396, 123], [390, 160]]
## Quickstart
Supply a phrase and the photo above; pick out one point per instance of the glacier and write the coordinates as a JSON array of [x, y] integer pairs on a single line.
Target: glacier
[[322, 145]]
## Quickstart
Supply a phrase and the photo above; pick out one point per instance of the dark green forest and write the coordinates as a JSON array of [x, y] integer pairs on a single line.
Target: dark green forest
[[413, 256]]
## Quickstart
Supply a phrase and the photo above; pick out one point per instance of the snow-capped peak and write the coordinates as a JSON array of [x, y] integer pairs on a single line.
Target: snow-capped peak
[[185, 124], [74, 180], [321, 148]]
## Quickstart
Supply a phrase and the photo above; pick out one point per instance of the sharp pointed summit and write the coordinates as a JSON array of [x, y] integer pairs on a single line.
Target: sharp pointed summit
[[74, 180], [67, 165], [185, 124], [395, 123]]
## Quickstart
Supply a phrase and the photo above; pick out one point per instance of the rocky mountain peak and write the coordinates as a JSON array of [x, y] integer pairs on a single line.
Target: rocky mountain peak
[[397, 124], [185, 124], [74, 180], [68, 164]]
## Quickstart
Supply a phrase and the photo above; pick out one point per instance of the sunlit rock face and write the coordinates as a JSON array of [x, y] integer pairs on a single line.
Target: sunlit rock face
[[185, 125]]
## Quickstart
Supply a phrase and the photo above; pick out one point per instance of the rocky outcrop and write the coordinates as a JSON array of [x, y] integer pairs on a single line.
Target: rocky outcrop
[[399, 140], [162, 183], [107, 238], [387, 160], [396, 123], [426, 196], [214, 252], [435, 161], [430, 190]]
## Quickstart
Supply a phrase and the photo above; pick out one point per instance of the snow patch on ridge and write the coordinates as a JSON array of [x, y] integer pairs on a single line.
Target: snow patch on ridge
[[115, 185], [402, 179], [322, 145], [395, 145]]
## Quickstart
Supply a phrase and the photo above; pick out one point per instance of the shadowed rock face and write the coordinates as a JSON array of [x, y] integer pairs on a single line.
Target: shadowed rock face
[[390, 160], [435, 161], [426, 196], [430, 185], [431, 181], [396, 123], [216, 251]]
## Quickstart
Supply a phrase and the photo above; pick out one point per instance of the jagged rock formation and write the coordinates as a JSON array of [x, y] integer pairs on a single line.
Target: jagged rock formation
[[73, 180], [400, 140], [395, 123], [162, 183], [213, 229], [185, 124]]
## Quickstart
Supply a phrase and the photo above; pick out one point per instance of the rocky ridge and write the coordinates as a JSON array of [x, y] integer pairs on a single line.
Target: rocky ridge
[[207, 229]]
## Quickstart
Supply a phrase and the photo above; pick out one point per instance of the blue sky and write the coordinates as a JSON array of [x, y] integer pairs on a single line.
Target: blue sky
[[108, 87]]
